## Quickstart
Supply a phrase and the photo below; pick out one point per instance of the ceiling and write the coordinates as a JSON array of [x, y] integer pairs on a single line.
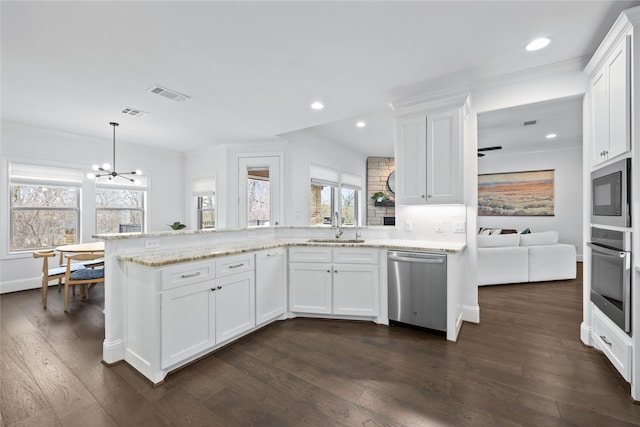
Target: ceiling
[[506, 127], [252, 69]]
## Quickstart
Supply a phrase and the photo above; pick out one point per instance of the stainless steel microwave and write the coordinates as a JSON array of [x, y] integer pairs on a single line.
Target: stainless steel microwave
[[611, 194]]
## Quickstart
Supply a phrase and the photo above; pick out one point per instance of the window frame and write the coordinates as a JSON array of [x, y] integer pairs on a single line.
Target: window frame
[[333, 197], [200, 210]]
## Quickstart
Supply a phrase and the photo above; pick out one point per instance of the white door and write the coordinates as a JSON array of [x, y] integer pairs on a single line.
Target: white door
[[444, 177], [271, 290], [310, 287], [411, 160], [235, 305], [187, 322], [355, 289], [259, 188]]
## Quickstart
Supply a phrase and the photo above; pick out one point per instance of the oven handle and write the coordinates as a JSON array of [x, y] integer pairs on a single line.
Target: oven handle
[[607, 251]]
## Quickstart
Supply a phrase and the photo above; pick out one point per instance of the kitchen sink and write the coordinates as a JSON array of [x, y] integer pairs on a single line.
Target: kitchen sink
[[335, 241]]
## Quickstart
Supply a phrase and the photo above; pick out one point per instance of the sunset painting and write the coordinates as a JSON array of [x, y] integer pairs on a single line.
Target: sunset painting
[[516, 194]]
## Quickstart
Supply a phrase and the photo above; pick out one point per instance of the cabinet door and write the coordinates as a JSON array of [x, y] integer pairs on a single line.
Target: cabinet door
[[619, 71], [355, 289], [235, 305], [411, 160], [310, 287], [600, 119], [271, 290], [187, 322], [444, 157]]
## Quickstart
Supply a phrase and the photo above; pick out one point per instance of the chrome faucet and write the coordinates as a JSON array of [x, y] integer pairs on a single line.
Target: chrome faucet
[[339, 230]]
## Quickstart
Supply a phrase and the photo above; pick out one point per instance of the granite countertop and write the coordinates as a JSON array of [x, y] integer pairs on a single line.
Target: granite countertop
[[164, 257]]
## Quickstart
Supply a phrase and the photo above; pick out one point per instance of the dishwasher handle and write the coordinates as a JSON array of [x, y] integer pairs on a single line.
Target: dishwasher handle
[[428, 259]]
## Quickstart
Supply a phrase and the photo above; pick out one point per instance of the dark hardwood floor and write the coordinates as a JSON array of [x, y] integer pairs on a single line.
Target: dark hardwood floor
[[522, 365]]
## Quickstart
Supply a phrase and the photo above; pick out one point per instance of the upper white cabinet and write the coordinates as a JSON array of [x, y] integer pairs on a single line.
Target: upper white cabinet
[[611, 104], [428, 150]]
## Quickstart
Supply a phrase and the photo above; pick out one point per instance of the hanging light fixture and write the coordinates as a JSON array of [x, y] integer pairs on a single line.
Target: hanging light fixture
[[106, 167]]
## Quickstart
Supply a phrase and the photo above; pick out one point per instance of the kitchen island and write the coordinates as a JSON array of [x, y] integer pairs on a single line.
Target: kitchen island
[[190, 293]]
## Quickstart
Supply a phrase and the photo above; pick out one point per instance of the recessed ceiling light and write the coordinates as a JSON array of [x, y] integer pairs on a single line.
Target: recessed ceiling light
[[361, 124], [317, 105], [538, 44], [551, 136]]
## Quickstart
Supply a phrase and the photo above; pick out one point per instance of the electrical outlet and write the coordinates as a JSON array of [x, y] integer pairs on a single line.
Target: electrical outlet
[[439, 227], [151, 244], [408, 225], [458, 227]]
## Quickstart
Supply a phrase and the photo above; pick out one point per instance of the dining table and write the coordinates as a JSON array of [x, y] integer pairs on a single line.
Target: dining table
[[90, 247]]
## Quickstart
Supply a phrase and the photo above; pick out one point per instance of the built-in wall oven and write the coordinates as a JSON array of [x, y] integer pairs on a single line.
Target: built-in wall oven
[[611, 274]]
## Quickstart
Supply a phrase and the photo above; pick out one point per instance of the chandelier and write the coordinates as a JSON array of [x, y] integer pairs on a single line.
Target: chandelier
[[105, 169]]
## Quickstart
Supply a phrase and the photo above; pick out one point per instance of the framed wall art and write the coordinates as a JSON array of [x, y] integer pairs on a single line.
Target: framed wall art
[[528, 193]]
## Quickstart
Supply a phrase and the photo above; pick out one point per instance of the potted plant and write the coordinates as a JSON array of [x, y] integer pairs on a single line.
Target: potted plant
[[378, 196], [177, 225]]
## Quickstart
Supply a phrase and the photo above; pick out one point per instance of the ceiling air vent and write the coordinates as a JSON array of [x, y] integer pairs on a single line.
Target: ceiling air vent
[[168, 93], [530, 123], [133, 112]]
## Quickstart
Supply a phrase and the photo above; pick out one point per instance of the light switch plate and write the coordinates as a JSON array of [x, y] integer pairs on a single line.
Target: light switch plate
[[408, 225], [151, 244], [458, 227], [439, 227]]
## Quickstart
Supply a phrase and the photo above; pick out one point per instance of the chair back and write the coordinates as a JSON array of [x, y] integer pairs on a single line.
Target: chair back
[[46, 254]]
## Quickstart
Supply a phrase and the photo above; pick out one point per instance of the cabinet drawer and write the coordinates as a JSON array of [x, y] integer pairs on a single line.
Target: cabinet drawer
[[355, 256], [614, 343], [184, 274], [309, 254], [234, 264]]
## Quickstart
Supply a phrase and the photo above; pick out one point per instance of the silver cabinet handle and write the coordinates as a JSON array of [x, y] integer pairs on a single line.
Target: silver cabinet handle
[[186, 276], [604, 338], [236, 266]]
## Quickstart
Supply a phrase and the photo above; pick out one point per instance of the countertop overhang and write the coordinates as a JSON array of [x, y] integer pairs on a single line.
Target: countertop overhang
[[159, 258]]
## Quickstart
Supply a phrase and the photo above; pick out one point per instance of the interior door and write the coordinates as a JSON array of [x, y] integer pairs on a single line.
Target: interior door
[[259, 188]]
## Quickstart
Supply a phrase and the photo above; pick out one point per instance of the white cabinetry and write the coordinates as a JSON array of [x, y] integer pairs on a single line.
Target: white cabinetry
[[428, 151], [271, 285], [178, 313], [611, 103], [342, 281], [614, 343]]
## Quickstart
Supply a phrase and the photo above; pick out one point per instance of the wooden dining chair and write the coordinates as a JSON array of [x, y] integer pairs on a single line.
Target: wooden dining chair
[[51, 273], [89, 275]]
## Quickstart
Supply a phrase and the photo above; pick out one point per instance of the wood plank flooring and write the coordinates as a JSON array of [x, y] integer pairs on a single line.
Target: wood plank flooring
[[523, 365]]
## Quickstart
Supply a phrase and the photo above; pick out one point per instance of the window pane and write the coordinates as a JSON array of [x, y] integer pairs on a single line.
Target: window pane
[[349, 206], [110, 221], [39, 196], [206, 202], [36, 228], [321, 204], [258, 198], [207, 220], [112, 198], [206, 212]]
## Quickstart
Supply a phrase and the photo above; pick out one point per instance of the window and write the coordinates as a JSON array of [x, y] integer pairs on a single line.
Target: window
[[349, 205], [44, 206], [206, 212], [331, 192], [258, 197], [119, 210], [322, 203]]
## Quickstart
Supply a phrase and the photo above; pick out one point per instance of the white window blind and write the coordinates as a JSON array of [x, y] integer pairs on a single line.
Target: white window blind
[[323, 174], [351, 181], [29, 174], [203, 186]]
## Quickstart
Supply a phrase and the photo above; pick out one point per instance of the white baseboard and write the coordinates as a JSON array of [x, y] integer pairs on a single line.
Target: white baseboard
[[585, 334], [471, 313], [112, 351], [21, 285]]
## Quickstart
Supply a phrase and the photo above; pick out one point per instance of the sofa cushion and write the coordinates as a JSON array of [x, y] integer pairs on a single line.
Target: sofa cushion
[[497, 266], [555, 262], [498, 241], [538, 239]]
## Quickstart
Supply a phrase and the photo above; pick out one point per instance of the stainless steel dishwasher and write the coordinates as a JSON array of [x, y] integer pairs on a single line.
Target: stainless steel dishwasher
[[418, 289]]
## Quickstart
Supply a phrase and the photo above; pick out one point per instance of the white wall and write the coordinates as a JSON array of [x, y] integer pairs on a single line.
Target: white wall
[[567, 164], [22, 143]]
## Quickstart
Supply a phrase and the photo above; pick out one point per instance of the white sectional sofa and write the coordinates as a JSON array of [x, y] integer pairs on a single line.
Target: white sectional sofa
[[518, 258]]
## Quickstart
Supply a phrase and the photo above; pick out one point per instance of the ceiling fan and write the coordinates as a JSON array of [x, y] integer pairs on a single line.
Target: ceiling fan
[[495, 147]]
